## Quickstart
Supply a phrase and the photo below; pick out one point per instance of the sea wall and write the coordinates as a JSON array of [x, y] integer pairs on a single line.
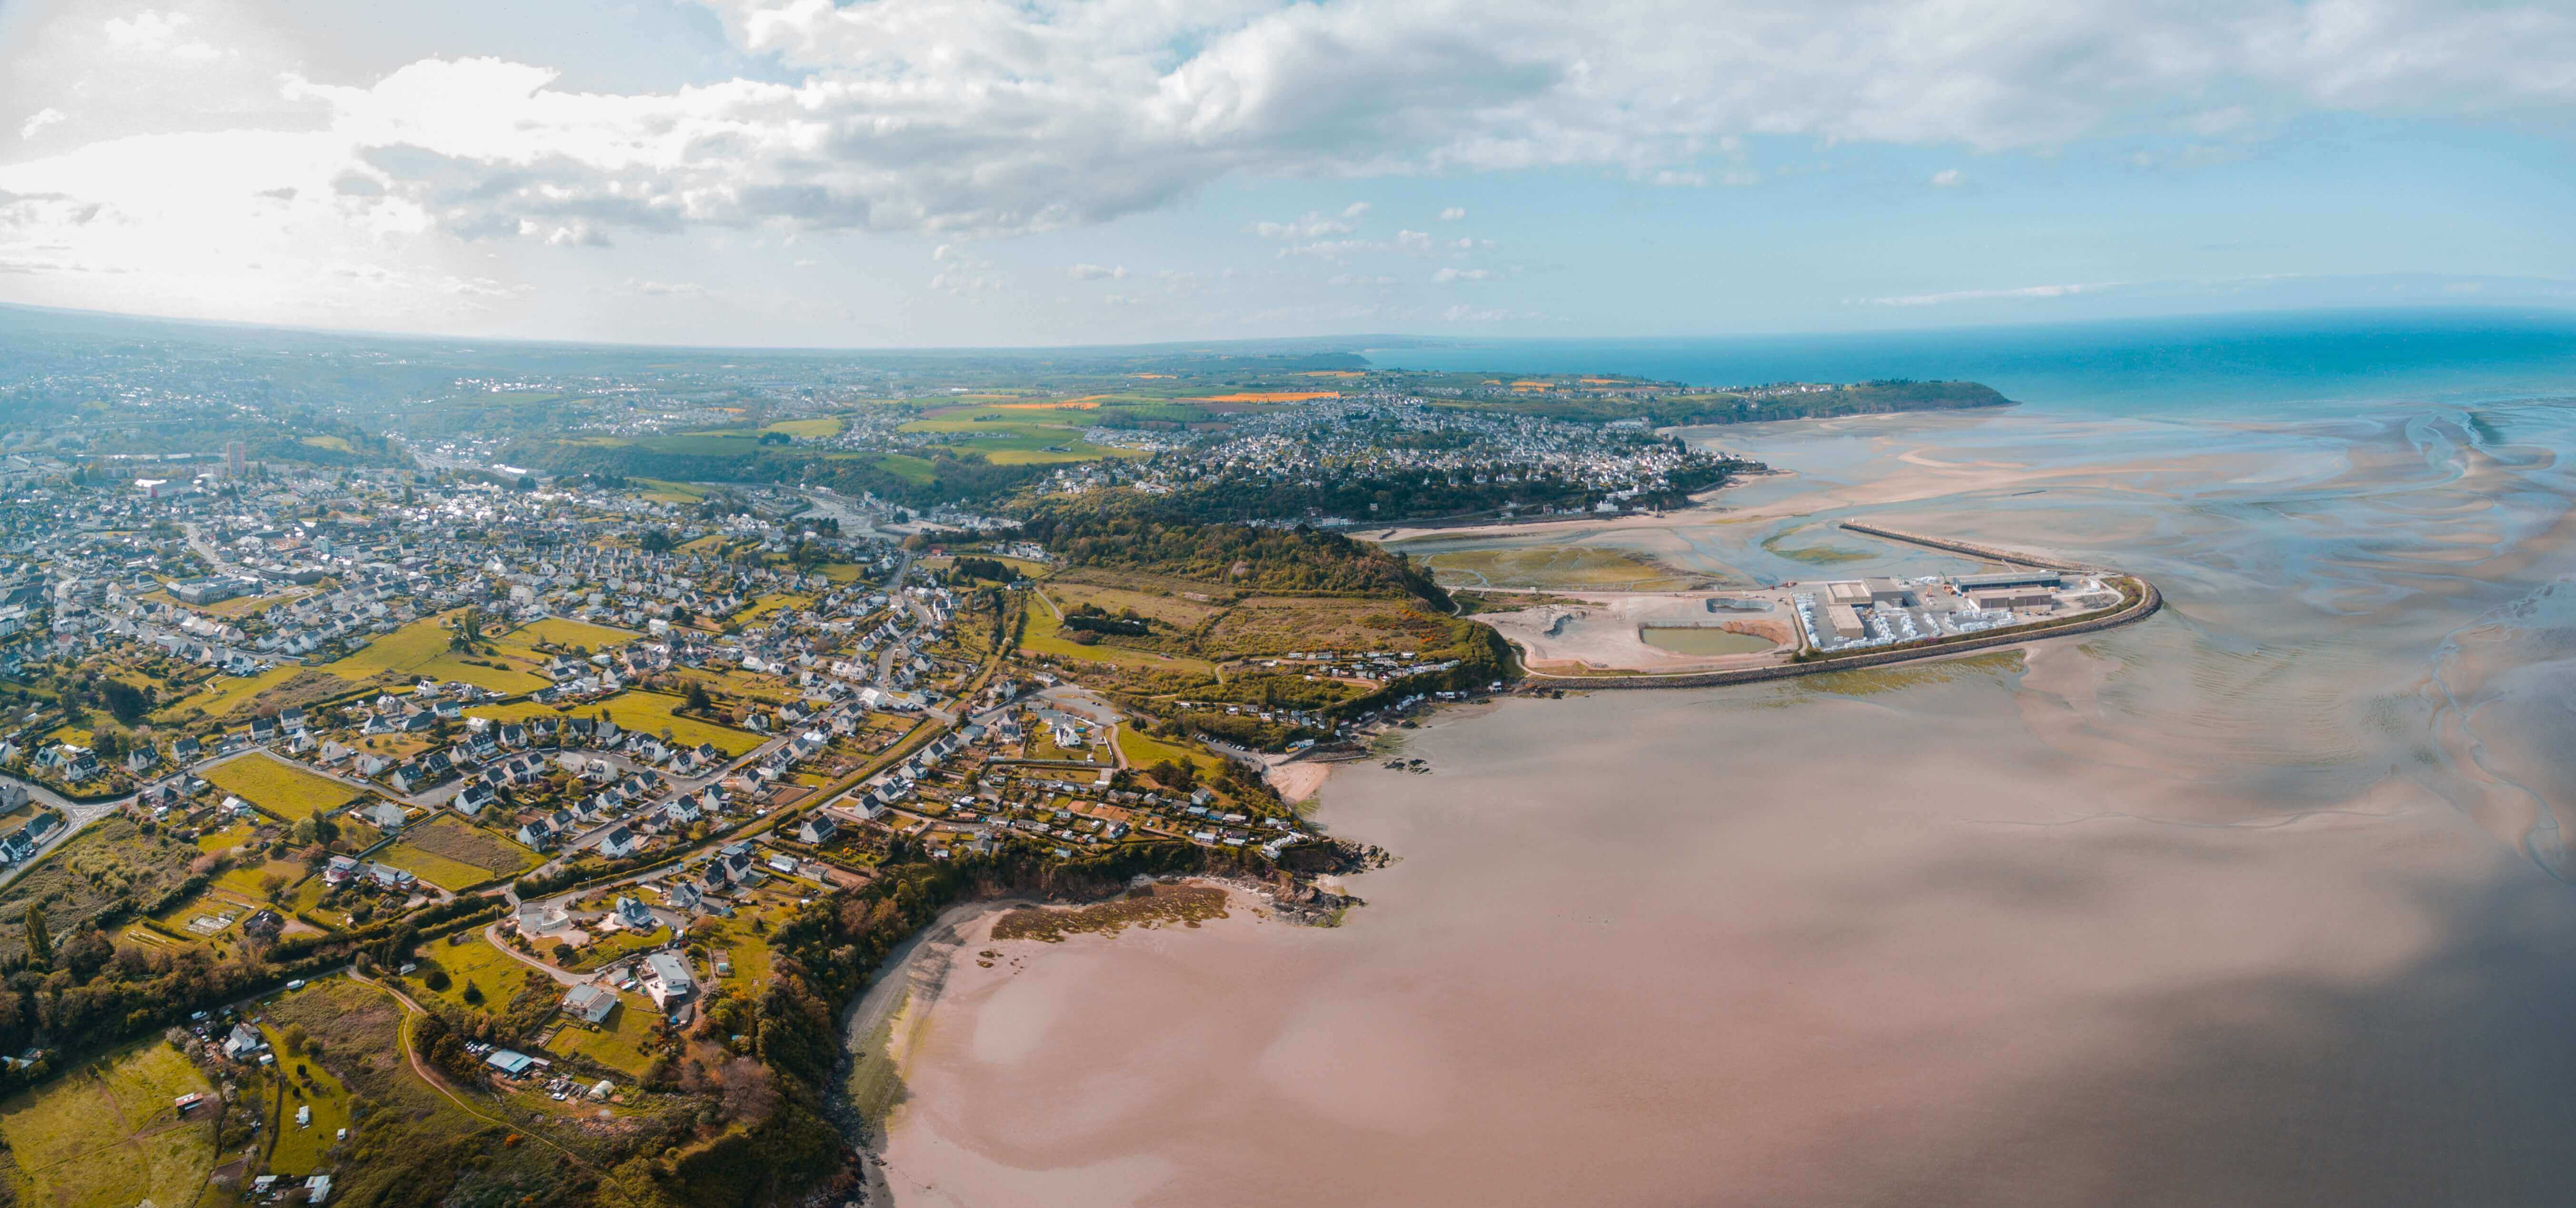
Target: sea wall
[[2148, 602]]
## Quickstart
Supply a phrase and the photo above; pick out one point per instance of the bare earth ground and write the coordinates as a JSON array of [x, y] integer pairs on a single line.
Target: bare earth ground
[[1593, 631]]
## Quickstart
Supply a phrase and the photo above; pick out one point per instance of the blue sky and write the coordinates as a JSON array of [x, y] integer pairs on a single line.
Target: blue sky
[[913, 172]]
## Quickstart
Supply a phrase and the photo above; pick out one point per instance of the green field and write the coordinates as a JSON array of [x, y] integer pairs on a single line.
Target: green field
[[618, 1043], [227, 838], [1563, 567], [907, 467], [739, 443], [225, 695], [395, 652], [646, 711], [1017, 435], [476, 963], [671, 492], [420, 649], [1044, 635], [618, 945], [498, 679], [566, 632], [808, 429], [452, 854], [361, 1030], [232, 609], [279, 787], [762, 608], [746, 948], [243, 879], [108, 864], [1143, 751], [302, 1082], [107, 1135]]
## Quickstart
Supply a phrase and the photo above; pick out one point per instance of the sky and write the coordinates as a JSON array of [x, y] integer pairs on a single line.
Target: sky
[[893, 173]]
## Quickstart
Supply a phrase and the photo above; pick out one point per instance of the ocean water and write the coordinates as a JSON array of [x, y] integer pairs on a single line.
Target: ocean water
[[2267, 900], [2161, 366]]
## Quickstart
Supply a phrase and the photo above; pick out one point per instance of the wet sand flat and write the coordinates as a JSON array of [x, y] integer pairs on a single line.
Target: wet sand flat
[[2261, 901]]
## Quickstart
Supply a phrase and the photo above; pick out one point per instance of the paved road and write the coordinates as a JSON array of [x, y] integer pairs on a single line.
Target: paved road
[[76, 815]]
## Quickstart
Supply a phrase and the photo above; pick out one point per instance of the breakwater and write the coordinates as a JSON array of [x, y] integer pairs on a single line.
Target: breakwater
[[2145, 603]]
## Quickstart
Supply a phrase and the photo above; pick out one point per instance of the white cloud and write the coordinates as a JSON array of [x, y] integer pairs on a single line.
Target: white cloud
[[991, 116], [154, 32], [1947, 178], [1447, 275], [1311, 226], [966, 119], [1094, 272], [1474, 314], [1988, 295]]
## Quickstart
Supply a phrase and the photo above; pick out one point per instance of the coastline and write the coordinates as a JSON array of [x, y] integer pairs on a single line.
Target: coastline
[[2072, 896], [1699, 504], [880, 1027]]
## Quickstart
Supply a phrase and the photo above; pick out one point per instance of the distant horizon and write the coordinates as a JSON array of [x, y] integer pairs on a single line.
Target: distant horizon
[[1357, 342]]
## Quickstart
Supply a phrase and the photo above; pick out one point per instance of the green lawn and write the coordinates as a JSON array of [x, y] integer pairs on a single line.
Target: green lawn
[[566, 632], [671, 492], [619, 1043], [775, 602], [302, 1082], [747, 948], [452, 854], [618, 946], [421, 649], [742, 443], [450, 875], [907, 467], [475, 962], [649, 712], [498, 679], [221, 695], [1044, 636], [1011, 437], [278, 787], [1144, 751], [227, 838], [394, 653], [106, 1135]]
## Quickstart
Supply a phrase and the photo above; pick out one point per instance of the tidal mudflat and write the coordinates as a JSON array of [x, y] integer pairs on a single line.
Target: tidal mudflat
[[2261, 901]]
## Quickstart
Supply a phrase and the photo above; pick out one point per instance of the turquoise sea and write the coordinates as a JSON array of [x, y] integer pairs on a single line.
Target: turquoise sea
[[2165, 365]]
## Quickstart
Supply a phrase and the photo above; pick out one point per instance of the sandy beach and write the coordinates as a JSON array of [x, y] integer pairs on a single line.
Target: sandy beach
[[1298, 781]]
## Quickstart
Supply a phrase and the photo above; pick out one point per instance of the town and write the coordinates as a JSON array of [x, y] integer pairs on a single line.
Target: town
[[499, 751]]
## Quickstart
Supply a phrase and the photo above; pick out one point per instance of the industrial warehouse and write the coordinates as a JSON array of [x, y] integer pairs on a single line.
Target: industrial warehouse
[[1859, 613], [1592, 633]]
